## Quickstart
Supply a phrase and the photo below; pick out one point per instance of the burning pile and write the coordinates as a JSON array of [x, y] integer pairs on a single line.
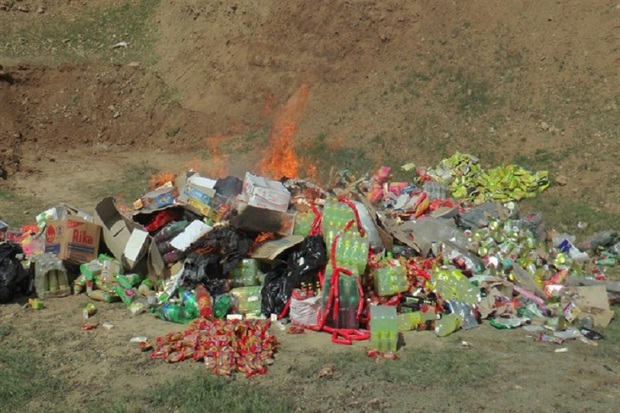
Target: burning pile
[[364, 259]]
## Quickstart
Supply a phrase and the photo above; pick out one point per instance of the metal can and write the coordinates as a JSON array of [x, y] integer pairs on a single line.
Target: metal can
[[89, 310]]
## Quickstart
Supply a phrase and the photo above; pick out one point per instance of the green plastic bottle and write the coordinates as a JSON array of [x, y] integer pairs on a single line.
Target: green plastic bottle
[[222, 306], [174, 313]]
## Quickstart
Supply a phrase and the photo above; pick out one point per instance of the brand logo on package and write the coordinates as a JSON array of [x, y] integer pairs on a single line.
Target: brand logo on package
[[51, 232], [81, 237], [74, 224]]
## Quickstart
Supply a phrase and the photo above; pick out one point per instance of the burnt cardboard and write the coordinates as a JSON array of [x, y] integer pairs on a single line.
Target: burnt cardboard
[[271, 249]]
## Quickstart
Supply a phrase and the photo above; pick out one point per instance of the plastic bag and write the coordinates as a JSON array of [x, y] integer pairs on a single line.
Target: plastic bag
[[305, 312], [14, 279], [305, 262], [273, 294]]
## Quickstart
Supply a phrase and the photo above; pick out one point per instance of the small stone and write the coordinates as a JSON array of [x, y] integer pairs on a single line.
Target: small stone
[[561, 180], [544, 126]]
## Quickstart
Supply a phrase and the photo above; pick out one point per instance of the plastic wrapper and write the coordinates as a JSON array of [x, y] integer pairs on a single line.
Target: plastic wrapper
[[225, 346], [465, 311], [13, 278], [273, 294], [305, 311], [453, 285]]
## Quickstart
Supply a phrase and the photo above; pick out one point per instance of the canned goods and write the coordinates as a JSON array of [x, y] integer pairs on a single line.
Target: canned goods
[[89, 310]]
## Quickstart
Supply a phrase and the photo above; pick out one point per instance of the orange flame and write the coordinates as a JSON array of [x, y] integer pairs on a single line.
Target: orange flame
[[161, 179], [218, 166], [281, 160]]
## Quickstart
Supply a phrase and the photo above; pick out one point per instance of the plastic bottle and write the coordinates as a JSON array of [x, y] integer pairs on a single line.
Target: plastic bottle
[[447, 324], [170, 231], [222, 306], [190, 302], [174, 313], [204, 301]]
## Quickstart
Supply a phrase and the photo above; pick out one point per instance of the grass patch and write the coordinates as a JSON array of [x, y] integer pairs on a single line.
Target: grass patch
[[324, 156], [25, 378], [448, 368], [7, 195], [563, 213], [204, 392], [5, 330], [84, 37], [132, 183]]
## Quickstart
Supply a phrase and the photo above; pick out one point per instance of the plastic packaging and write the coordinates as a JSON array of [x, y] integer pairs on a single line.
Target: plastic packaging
[[447, 324], [391, 278], [222, 306], [246, 273], [383, 328], [174, 313], [305, 311], [50, 277], [247, 300], [203, 299]]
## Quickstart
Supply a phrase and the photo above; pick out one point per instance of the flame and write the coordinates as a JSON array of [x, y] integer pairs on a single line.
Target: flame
[[281, 160], [161, 179], [260, 238], [217, 168]]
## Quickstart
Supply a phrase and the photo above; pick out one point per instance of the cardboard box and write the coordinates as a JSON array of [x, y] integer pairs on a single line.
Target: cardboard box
[[127, 240], [252, 218], [199, 195], [265, 193], [159, 198], [73, 239]]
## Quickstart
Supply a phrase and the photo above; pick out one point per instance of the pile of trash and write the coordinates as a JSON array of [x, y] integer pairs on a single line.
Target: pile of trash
[[364, 259]]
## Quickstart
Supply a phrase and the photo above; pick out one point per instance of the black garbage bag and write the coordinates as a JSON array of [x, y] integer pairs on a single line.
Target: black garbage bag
[[227, 243], [304, 263], [13, 277], [204, 269], [273, 294], [302, 266]]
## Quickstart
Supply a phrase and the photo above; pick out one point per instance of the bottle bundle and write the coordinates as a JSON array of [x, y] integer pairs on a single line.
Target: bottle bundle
[[50, 278]]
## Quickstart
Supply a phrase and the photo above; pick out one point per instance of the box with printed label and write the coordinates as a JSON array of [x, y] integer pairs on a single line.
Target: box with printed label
[[73, 239]]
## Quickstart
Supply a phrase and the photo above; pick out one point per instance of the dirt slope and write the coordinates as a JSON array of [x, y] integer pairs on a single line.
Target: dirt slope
[[530, 82]]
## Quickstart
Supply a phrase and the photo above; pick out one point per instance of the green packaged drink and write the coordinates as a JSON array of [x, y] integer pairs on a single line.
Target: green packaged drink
[[409, 321], [246, 273], [91, 269], [128, 280], [383, 328], [174, 313], [190, 302], [222, 306], [390, 279], [247, 299], [126, 295], [447, 324]]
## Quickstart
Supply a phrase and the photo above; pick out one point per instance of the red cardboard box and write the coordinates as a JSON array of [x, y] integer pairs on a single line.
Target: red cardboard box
[[73, 239]]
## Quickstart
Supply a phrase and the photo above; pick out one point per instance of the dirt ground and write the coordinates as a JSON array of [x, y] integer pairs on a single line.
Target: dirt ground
[[389, 82]]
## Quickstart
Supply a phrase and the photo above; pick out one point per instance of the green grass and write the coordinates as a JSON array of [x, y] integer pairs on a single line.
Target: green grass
[[132, 184], [7, 195], [563, 213], [24, 379], [445, 368], [84, 37], [5, 330], [204, 392], [348, 156]]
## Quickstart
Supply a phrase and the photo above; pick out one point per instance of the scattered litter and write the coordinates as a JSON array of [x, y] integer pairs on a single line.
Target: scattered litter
[[363, 260], [561, 350]]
